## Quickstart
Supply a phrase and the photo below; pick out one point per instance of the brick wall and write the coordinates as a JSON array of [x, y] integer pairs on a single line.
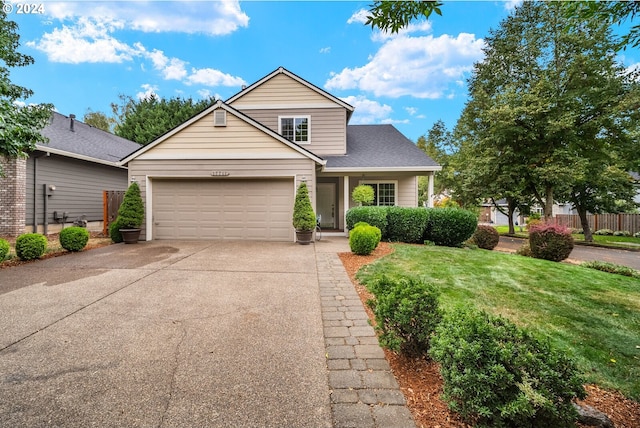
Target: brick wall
[[13, 194]]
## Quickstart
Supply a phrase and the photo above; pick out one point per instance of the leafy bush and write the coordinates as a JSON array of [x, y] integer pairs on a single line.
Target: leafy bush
[[131, 211], [375, 216], [486, 237], [498, 375], [406, 224], [621, 233], [525, 249], [304, 218], [612, 268], [4, 249], [74, 238], [364, 239], [450, 226], [114, 231], [363, 194], [406, 312], [550, 242], [604, 232], [30, 246], [636, 235]]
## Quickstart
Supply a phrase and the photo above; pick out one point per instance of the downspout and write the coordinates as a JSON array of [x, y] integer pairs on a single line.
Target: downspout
[[35, 194], [45, 224]]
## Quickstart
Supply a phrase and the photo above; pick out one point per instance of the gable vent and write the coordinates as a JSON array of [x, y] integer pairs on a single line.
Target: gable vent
[[220, 118]]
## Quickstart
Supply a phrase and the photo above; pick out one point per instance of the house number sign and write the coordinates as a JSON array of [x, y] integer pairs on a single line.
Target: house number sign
[[220, 173]]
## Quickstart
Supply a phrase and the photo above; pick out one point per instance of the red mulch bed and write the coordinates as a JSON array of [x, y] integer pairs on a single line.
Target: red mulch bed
[[421, 383]]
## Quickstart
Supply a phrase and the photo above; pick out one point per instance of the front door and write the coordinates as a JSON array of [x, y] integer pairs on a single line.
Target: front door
[[326, 205]]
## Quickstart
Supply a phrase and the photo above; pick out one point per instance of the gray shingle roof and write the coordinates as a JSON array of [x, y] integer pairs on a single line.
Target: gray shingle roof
[[85, 140], [379, 146]]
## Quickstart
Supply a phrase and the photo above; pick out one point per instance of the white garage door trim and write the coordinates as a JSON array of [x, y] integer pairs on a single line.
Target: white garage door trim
[[250, 209]]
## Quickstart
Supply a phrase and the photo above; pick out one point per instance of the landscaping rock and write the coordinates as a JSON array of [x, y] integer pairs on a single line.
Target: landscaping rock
[[589, 416]]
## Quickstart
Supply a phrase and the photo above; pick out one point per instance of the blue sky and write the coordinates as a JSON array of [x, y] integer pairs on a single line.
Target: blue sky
[[88, 53]]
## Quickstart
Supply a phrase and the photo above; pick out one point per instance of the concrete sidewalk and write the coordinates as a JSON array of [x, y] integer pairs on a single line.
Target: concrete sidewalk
[[185, 334]]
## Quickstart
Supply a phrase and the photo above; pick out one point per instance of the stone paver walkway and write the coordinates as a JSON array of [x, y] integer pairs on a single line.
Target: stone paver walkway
[[364, 392]]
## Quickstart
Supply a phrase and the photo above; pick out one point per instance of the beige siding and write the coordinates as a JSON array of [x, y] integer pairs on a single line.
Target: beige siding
[[236, 140], [328, 126], [283, 90], [149, 170]]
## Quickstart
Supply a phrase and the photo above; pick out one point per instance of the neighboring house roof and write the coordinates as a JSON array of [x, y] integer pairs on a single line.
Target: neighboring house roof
[[84, 141], [379, 148], [221, 105], [282, 70]]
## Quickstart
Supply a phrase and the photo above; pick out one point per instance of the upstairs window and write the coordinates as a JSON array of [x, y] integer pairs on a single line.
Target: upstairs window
[[384, 192], [295, 129]]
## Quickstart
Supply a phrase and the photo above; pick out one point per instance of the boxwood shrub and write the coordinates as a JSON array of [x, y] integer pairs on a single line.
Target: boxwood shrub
[[406, 224], [486, 237], [375, 216], [74, 238], [30, 246], [498, 375], [550, 242], [364, 239], [4, 249], [406, 312], [450, 226]]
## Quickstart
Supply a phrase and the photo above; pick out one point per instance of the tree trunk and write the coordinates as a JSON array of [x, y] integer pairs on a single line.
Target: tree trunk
[[582, 213], [548, 204], [511, 206]]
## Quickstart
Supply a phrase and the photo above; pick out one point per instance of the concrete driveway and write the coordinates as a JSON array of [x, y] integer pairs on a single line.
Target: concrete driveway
[[165, 334]]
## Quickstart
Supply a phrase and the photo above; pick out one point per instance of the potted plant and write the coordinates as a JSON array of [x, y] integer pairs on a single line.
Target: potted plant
[[131, 214], [304, 219]]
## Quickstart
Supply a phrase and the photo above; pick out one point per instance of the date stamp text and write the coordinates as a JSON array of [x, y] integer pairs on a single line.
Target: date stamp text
[[23, 8]]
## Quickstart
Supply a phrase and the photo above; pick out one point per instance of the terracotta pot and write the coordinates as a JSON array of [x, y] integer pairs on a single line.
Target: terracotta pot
[[304, 237], [130, 236]]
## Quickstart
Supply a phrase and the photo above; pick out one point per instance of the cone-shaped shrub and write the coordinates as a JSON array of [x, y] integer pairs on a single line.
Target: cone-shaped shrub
[[304, 219], [131, 211]]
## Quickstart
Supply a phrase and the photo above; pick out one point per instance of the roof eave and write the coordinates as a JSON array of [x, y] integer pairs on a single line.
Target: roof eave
[[384, 169], [59, 152]]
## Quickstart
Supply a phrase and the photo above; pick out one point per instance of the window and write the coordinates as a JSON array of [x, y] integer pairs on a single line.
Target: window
[[295, 129], [384, 192]]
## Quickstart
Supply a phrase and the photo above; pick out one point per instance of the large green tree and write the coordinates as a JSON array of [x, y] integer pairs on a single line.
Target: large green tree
[[99, 120], [614, 12], [437, 144], [20, 124], [547, 107], [146, 119]]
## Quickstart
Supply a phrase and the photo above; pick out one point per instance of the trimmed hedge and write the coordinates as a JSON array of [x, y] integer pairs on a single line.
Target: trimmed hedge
[[450, 226], [405, 224], [498, 375], [4, 249], [486, 237], [550, 242], [74, 238], [375, 216], [406, 312], [30, 246], [364, 239]]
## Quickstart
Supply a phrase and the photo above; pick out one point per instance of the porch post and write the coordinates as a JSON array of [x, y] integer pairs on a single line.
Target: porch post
[[430, 191], [345, 202]]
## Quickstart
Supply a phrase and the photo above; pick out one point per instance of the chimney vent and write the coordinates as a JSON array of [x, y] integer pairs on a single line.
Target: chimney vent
[[71, 120]]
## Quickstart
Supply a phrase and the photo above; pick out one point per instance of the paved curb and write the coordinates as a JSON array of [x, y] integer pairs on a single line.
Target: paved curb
[[364, 391]]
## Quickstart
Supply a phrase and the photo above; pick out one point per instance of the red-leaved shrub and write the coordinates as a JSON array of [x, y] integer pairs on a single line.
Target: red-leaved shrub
[[486, 237], [550, 241]]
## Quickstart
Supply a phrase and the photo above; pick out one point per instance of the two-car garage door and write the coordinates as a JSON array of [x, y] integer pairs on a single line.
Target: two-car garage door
[[223, 209]]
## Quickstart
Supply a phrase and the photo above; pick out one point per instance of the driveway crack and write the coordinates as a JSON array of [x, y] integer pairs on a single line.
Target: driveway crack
[[174, 371]]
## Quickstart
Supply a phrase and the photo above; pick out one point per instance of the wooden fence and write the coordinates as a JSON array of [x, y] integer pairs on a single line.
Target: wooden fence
[[615, 222], [111, 200]]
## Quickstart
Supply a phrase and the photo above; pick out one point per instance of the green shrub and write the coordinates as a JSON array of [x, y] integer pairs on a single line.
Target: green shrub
[[30, 246], [525, 249], [131, 211], [363, 194], [450, 226], [612, 268], [550, 242], [406, 224], [375, 216], [636, 235], [4, 249], [114, 231], [604, 232], [74, 238], [364, 239], [486, 237], [621, 233], [406, 312], [304, 218], [498, 375]]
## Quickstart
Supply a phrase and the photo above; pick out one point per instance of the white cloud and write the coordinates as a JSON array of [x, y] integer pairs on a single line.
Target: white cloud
[[325, 50], [512, 4], [213, 18], [422, 67], [411, 110], [149, 91], [171, 68], [359, 17], [211, 77], [367, 111]]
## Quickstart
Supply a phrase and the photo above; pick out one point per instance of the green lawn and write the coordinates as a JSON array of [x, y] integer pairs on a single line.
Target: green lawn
[[593, 315]]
